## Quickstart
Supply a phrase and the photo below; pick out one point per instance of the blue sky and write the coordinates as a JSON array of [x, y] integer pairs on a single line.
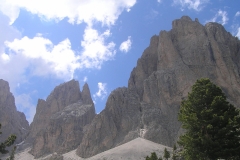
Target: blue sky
[[44, 43]]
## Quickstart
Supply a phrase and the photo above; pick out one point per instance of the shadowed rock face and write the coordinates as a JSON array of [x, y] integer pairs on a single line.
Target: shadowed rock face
[[162, 78], [116, 124], [60, 121], [12, 121]]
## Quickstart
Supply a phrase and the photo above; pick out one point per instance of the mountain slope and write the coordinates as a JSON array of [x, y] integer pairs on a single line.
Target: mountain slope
[[163, 77]]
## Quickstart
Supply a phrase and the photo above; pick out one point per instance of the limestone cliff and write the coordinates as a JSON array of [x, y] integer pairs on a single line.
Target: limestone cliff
[[13, 121], [59, 122], [163, 76]]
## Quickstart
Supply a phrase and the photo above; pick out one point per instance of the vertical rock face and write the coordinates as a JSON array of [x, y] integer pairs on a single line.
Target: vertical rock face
[[13, 121], [161, 80], [116, 124], [62, 96], [60, 121]]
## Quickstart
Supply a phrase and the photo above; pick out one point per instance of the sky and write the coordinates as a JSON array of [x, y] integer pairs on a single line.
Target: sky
[[44, 43]]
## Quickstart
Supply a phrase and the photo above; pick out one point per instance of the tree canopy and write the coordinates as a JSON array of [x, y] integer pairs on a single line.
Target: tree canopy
[[7, 143], [211, 123]]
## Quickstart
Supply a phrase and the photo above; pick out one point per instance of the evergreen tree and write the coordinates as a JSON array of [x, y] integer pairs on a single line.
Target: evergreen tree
[[160, 158], [148, 158], [154, 156], [174, 153], [10, 140], [212, 124], [166, 154]]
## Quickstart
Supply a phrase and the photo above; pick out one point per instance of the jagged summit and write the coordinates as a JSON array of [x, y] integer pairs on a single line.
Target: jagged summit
[[12, 121], [163, 76], [148, 107], [59, 122], [86, 95]]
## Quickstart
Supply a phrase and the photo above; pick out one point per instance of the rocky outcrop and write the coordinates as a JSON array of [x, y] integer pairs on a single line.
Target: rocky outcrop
[[12, 121], [162, 78], [61, 120], [116, 124], [62, 96]]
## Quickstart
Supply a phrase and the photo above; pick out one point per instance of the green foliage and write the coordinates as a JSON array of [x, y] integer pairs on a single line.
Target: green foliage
[[153, 157], [174, 153], [7, 143], [166, 154], [212, 124]]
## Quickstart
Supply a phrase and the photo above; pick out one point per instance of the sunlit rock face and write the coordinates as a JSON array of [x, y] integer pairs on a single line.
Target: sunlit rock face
[[60, 121], [12, 121], [163, 77]]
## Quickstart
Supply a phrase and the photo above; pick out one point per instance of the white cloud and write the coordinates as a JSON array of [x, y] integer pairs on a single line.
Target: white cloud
[[191, 4], [9, 10], [95, 49], [24, 104], [102, 91], [85, 79], [126, 45], [5, 57], [44, 57], [222, 15], [237, 14], [159, 1], [238, 33], [76, 11], [8, 32], [38, 56]]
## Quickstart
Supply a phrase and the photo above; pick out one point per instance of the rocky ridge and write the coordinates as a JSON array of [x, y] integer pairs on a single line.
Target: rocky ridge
[[12, 121], [60, 121], [163, 77], [148, 107]]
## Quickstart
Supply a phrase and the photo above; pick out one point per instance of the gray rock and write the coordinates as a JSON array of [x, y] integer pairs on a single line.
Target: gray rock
[[62, 96], [12, 121], [86, 95], [60, 121], [116, 124], [164, 74]]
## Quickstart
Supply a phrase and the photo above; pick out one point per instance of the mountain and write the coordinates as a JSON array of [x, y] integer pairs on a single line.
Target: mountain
[[148, 107], [164, 74], [60, 121], [12, 121]]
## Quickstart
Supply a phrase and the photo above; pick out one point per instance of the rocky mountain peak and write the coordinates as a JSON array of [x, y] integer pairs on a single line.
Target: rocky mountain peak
[[66, 93], [163, 77], [12, 121], [86, 95], [4, 86], [60, 121]]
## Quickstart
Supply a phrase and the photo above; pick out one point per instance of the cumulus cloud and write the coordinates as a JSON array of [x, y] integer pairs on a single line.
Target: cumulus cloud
[[126, 45], [222, 15], [8, 32], [76, 11], [44, 57], [10, 10], [102, 91], [191, 4], [24, 104], [95, 49]]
